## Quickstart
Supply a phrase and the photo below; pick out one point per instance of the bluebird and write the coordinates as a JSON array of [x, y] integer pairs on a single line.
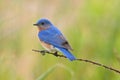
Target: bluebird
[[52, 39]]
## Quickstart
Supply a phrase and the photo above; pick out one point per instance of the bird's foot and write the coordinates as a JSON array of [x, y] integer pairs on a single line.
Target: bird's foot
[[56, 54], [44, 51]]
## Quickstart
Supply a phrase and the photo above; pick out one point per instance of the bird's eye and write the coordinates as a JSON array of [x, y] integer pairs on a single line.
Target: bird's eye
[[42, 23]]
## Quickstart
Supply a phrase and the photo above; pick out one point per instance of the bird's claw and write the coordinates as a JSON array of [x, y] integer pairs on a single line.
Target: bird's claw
[[56, 54], [43, 52]]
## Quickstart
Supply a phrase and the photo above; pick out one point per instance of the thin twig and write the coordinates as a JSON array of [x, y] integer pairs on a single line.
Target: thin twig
[[44, 51], [84, 60], [98, 64]]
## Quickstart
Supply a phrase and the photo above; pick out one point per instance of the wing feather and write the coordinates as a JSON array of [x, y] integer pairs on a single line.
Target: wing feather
[[54, 37]]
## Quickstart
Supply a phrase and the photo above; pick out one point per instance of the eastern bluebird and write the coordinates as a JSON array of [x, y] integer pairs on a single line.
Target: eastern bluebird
[[52, 39]]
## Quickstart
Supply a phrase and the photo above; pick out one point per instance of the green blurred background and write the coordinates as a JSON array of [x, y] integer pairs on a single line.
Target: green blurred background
[[91, 26]]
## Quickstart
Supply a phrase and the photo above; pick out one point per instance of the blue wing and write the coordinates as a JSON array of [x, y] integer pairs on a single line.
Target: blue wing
[[54, 37]]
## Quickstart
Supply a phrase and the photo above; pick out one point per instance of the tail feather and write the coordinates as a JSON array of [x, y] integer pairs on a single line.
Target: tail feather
[[67, 53]]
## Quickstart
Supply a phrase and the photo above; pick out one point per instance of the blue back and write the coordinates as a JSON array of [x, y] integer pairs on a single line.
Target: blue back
[[52, 36]]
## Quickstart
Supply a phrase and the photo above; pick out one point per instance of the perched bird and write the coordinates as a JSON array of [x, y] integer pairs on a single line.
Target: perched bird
[[52, 39]]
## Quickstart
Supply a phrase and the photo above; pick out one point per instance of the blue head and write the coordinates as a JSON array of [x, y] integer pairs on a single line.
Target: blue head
[[43, 24]]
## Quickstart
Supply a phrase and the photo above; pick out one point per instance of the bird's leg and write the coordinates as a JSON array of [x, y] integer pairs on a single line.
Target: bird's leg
[[44, 51], [56, 53]]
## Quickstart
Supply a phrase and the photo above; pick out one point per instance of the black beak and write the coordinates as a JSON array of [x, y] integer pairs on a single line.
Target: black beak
[[35, 24]]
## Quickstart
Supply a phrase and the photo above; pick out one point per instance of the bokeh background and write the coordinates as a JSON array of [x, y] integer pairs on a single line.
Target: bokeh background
[[91, 26]]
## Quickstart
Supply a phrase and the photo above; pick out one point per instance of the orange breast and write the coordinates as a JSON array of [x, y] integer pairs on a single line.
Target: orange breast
[[46, 46], [40, 29]]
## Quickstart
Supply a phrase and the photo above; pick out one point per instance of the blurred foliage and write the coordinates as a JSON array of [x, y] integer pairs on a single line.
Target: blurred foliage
[[44, 75], [48, 72], [91, 26]]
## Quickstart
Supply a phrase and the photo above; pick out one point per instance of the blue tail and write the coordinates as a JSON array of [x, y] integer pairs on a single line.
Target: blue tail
[[67, 53]]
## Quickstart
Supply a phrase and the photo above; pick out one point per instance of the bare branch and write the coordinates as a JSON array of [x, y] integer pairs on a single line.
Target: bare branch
[[43, 52]]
